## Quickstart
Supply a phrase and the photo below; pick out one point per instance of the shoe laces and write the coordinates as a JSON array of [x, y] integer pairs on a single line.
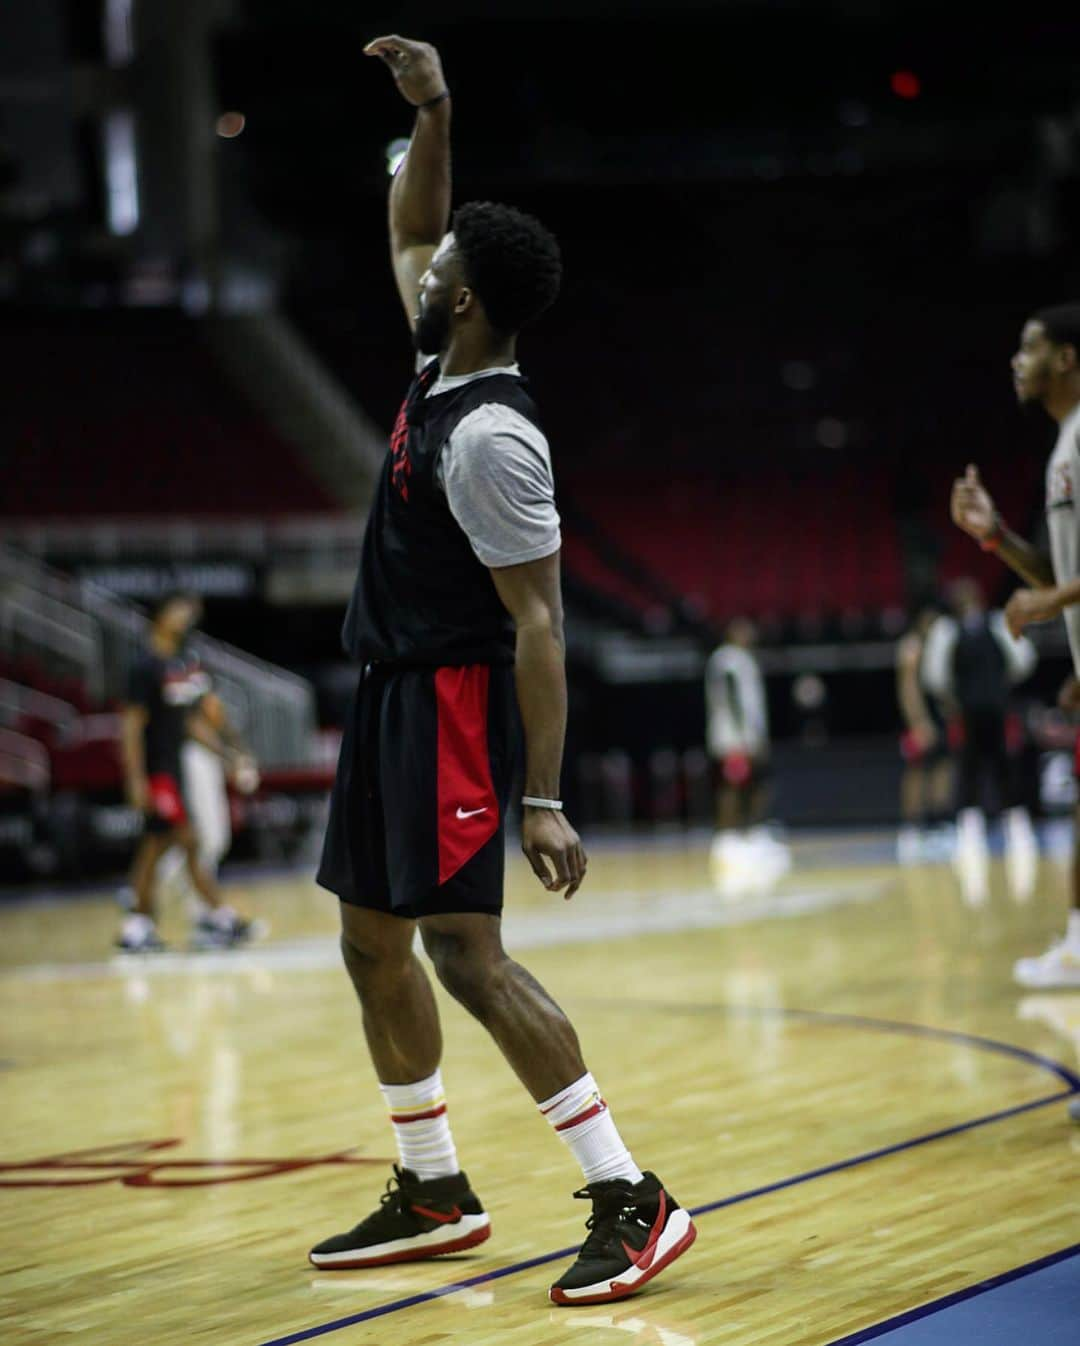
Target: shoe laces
[[609, 1206], [395, 1198]]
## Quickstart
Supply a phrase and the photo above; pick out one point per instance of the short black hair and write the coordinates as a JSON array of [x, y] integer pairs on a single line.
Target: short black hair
[[510, 259], [1062, 323]]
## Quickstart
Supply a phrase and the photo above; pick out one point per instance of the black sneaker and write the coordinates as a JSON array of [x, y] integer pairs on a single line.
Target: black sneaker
[[211, 932], [635, 1231], [415, 1220], [140, 940]]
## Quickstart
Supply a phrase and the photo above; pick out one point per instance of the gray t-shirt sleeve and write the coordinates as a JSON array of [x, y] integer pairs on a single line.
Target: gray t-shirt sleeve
[[496, 472]]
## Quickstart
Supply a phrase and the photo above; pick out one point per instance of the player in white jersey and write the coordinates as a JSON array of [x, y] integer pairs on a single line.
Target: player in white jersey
[[744, 855], [205, 778], [1046, 370]]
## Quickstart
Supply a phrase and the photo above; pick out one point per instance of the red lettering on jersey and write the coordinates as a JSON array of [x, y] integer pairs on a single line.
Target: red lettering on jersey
[[400, 466]]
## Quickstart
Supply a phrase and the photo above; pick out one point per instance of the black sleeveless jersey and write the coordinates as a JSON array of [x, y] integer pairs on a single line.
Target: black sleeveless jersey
[[422, 597], [980, 675]]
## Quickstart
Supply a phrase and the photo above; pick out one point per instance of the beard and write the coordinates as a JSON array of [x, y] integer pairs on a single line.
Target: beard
[[432, 332]]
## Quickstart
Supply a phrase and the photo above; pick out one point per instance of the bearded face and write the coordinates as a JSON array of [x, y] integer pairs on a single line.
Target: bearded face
[[431, 334]]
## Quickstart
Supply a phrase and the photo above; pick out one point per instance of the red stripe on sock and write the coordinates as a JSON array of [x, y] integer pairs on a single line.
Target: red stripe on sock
[[594, 1111], [398, 1118]]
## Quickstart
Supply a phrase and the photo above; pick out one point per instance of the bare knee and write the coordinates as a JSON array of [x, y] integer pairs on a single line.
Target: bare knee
[[472, 974], [374, 946]]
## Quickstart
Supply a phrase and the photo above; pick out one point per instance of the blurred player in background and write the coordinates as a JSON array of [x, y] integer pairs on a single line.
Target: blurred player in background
[[1046, 372], [927, 781], [744, 855], [205, 782], [972, 661], [166, 686]]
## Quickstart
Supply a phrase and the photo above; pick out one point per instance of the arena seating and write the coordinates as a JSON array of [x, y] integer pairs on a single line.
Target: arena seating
[[126, 414]]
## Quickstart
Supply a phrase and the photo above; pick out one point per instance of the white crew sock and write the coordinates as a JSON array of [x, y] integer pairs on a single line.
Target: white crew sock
[[581, 1119], [1072, 930], [421, 1129]]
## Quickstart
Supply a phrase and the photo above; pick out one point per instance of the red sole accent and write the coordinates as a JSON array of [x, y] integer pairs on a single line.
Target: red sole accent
[[618, 1291], [416, 1255]]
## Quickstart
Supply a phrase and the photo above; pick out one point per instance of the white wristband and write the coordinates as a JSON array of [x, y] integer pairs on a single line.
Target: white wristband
[[530, 801]]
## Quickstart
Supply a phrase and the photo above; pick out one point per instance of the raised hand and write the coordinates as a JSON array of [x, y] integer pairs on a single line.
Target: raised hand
[[971, 506], [415, 66]]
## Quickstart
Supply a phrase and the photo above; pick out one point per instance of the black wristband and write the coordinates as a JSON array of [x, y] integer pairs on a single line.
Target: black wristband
[[434, 102]]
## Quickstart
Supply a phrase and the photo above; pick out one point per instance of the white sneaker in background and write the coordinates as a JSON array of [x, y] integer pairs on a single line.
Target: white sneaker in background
[[971, 859], [1021, 854], [769, 856], [744, 864], [139, 934], [939, 844], [1058, 967], [909, 845]]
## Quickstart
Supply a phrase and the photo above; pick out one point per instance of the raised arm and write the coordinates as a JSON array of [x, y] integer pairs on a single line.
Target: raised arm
[[420, 191], [973, 510], [531, 595]]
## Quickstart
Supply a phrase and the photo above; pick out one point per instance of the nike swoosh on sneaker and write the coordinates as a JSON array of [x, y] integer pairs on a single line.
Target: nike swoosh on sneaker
[[461, 813], [643, 1259], [439, 1216]]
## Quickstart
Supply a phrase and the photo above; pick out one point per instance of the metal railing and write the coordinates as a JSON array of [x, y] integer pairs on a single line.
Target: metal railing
[[75, 628]]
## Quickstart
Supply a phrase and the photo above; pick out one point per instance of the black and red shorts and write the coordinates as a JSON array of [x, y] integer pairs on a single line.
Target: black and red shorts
[[417, 821], [167, 810]]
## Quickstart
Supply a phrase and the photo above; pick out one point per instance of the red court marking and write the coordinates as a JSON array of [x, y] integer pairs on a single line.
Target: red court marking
[[125, 1163]]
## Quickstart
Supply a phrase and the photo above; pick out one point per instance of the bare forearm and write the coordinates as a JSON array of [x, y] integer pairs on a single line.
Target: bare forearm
[[1027, 561], [420, 192], [541, 688], [912, 702]]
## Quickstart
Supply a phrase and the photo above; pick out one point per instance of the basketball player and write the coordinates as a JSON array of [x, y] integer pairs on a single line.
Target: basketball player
[[457, 620], [926, 783], [166, 684], [204, 786], [972, 661], [744, 855], [1046, 371]]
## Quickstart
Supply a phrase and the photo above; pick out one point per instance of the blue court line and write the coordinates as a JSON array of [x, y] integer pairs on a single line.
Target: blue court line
[[1067, 1076], [860, 1021], [957, 1297]]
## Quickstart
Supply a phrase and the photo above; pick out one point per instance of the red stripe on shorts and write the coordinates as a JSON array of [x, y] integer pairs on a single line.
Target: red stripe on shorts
[[468, 810], [166, 800]]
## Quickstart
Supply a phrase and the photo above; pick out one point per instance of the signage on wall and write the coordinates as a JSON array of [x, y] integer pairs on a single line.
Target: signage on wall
[[147, 580]]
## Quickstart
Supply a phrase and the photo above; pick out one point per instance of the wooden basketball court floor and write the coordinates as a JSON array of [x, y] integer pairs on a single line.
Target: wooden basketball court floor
[[840, 1078]]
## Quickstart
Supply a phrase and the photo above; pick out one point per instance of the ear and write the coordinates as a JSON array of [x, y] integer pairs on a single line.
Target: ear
[[1069, 358], [465, 301]]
